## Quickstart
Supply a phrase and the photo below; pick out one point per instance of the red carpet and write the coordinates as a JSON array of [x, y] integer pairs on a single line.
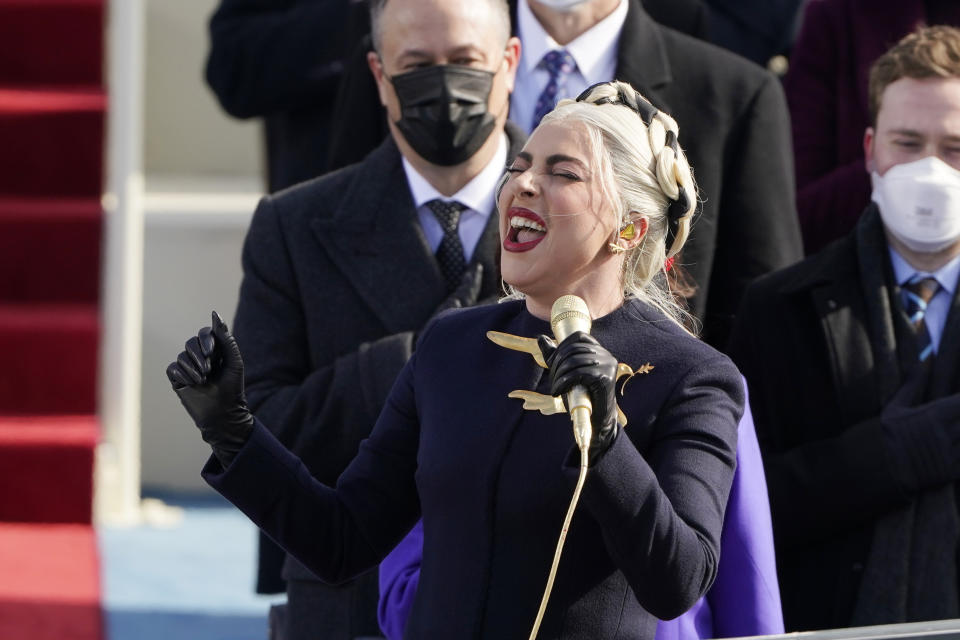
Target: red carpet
[[46, 469], [50, 358], [57, 41], [52, 141], [50, 250], [52, 117], [49, 583]]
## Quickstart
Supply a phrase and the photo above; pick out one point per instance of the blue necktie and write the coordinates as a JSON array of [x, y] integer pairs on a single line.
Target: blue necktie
[[917, 293], [559, 64]]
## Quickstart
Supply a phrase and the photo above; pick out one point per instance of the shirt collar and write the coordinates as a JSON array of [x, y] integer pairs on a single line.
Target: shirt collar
[[946, 275], [590, 49], [478, 194]]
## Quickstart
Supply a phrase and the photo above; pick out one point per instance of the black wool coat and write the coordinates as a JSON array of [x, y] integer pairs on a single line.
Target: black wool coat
[[809, 344], [492, 482]]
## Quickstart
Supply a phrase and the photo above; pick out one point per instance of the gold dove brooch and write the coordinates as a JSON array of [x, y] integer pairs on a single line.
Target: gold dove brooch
[[549, 405]]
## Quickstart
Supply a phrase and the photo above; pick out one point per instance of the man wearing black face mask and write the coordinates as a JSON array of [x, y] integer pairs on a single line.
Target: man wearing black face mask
[[341, 272]]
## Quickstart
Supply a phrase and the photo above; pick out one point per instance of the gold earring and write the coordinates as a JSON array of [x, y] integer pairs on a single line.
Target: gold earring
[[615, 248], [628, 232]]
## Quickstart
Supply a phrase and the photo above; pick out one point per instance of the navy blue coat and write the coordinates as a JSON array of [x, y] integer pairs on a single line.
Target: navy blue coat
[[492, 482]]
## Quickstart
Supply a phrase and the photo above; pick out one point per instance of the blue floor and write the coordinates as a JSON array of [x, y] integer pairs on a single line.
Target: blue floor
[[189, 581]]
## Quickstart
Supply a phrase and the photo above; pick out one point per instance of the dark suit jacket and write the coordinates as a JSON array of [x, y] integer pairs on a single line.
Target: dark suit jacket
[[337, 278], [493, 482], [282, 60], [735, 130], [806, 343], [827, 94]]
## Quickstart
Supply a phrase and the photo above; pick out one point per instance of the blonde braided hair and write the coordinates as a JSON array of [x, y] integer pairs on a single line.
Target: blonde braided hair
[[645, 171]]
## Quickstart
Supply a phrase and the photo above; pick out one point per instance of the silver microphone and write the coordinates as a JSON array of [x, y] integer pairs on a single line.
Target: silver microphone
[[568, 315]]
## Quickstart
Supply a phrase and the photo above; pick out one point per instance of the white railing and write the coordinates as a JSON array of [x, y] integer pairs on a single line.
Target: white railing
[[118, 456]]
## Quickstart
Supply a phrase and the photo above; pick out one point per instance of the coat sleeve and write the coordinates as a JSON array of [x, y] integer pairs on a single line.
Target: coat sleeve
[[321, 411], [336, 532], [662, 515], [275, 55], [830, 196], [818, 488], [758, 230]]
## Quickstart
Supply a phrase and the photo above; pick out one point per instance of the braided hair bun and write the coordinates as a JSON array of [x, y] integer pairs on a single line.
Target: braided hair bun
[[645, 173]]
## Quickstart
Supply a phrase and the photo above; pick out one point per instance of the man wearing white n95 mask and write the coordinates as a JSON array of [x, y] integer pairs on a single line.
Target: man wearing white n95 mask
[[913, 153], [853, 360]]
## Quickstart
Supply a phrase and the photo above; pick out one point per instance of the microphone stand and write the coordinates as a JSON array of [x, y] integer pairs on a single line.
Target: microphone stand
[[569, 314]]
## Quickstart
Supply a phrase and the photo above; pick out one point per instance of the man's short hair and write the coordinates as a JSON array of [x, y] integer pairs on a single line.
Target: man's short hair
[[501, 8], [928, 52]]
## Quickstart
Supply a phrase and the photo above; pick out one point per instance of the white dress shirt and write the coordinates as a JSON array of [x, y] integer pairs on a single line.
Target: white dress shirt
[[595, 52], [477, 196], [935, 316]]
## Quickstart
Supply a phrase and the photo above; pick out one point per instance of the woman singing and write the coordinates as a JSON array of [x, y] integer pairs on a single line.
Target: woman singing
[[596, 205]]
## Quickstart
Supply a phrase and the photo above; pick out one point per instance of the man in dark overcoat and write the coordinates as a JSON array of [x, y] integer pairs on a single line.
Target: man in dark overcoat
[[341, 272], [853, 363], [734, 128]]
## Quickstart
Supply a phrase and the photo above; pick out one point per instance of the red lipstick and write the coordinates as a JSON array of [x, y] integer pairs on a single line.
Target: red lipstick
[[511, 241]]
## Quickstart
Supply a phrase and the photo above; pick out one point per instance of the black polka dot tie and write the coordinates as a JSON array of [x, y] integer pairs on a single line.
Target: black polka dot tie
[[450, 254]]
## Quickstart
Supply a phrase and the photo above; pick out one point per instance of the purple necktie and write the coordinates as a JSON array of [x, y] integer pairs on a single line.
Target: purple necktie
[[559, 64]]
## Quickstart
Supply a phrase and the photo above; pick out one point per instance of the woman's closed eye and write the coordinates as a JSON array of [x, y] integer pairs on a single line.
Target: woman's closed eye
[[566, 175]]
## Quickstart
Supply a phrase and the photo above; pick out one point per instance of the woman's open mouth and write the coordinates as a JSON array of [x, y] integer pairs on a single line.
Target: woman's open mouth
[[526, 230]]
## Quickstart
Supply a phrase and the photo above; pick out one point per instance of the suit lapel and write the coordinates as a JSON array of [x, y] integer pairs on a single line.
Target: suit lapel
[[642, 58], [946, 364], [487, 253], [848, 345], [376, 241], [838, 297]]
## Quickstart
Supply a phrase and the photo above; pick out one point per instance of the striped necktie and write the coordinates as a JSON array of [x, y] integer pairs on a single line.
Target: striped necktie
[[450, 255], [917, 293]]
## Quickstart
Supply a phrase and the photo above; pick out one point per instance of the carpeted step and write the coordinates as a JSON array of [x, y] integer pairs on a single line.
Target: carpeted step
[[49, 582], [46, 468], [50, 250], [49, 357], [52, 142], [51, 41]]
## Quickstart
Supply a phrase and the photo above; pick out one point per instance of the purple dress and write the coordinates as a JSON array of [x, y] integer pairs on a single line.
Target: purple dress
[[743, 601]]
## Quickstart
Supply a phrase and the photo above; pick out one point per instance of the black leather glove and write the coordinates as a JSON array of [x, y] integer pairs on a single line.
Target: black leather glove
[[925, 438], [581, 360], [208, 378]]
